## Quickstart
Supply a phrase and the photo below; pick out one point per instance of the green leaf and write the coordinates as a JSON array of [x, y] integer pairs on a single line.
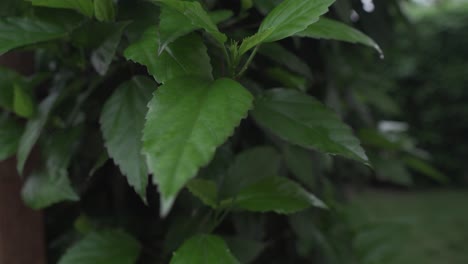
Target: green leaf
[[205, 190], [17, 32], [287, 79], [51, 184], [283, 56], [330, 29], [246, 250], [178, 59], [425, 168], [23, 103], [104, 10], [122, 121], [174, 24], [254, 40], [10, 134], [43, 189], [85, 7], [33, 130], [197, 16], [203, 249], [278, 194], [8, 78], [102, 57], [249, 167], [198, 116], [116, 247], [304, 121], [292, 16]]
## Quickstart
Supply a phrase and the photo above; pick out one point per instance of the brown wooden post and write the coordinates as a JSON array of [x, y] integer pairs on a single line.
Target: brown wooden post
[[21, 229]]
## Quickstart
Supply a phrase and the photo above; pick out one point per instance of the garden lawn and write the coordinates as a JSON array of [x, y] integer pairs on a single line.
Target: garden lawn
[[430, 227]]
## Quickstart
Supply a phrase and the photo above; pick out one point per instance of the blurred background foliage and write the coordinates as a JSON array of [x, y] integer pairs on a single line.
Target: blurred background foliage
[[409, 108]]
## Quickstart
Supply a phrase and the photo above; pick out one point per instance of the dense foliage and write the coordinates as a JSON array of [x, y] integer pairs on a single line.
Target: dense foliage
[[201, 131]]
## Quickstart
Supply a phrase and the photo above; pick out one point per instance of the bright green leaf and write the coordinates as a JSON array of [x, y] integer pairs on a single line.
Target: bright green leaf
[[104, 10], [178, 59], [205, 190], [122, 121], [17, 32], [302, 120], [23, 103], [33, 129], [292, 16], [10, 134], [102, 57], [278, 194], [83, 6], [203, 249], [198, 116], [197, 16], [249, 167], [116, 247], [255, 40], [330, 29]]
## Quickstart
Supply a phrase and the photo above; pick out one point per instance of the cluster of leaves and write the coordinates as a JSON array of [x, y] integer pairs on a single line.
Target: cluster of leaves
[[179, 105]]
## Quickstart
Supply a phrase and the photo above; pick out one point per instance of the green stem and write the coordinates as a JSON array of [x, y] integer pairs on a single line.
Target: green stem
[[248, 62]]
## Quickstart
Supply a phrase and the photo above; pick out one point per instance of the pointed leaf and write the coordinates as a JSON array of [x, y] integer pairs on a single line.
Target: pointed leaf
[[104, 10], [23, 103], [197, 16], [292, 16], [177, 59], [249, 167], [283, 56], [122, 121], [205, 190], [83, 6], [277, 194], [10, 134], [33, 130], [245, 250], [302, 120], [18, 32], [102, 57], [103, 247], [51, 185], [198, 116], [330, 29], [202, 249], [43, 189]]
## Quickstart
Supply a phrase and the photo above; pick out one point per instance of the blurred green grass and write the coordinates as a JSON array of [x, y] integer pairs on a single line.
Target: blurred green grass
[[418, 227]]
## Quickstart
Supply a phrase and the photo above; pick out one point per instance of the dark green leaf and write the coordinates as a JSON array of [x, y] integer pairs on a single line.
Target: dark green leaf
[[83, 6], [104, 10], [249, 167], [203, 249], [425, 168], [18, 32], [122, 121], [198, 116], [277, 194], [103, 247], [33, 129], [330, 29], [287, 79], [197, 16], [302, 120], [205, 190], [10, 134], [23, 103], [283, 56], [102, 57], [43, 189], [245, 250], [177, 59]]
